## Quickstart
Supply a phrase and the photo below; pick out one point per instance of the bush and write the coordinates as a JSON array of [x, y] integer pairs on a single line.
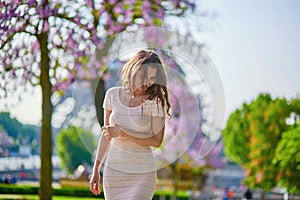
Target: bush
[[27, 189], [18, 189], [78, 192], [181, 195]]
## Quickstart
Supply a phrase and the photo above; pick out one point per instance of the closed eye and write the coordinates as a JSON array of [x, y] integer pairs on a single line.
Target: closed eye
[[152, 78]]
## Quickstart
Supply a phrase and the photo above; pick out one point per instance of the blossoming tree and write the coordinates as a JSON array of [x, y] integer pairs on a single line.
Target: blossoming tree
[[44, 43]]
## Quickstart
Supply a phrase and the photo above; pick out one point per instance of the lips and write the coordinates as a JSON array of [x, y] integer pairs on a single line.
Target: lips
[[144, 87]]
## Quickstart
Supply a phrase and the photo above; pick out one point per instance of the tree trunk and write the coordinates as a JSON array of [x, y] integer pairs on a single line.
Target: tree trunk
[[175, 179], [98, 86], [45, 190], [263, 195], [99, 91]]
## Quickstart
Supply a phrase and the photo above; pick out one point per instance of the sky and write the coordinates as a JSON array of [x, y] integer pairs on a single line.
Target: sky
[[254, 45]]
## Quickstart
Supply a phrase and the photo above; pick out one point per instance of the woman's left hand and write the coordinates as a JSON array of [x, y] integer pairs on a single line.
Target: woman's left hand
[[111, 131]]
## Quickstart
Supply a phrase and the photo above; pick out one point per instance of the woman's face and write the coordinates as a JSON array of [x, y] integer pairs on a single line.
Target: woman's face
[[142, 81]]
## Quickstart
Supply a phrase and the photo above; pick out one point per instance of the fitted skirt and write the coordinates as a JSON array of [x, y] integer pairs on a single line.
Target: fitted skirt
[[129, 172]]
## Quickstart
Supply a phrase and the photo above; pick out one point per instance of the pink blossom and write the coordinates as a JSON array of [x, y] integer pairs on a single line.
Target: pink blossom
[[94, 35], [64, 32], [147, 18], [176, 2], [47, 11], [154, 37], [105, 60], [40, 12], [130, 2], [106, 77], [102, 10], [100, 73], [71, 43], [118, 8], [55, 11], [146, 5], [46, 26], [77, 66], [109, 19], [93, 74], [128, 13], [112, 1], [90, 3], [13, 73], [160, 14], [99, 44]]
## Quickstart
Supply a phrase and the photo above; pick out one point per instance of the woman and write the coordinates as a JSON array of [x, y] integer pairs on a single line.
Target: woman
[[134, 122]]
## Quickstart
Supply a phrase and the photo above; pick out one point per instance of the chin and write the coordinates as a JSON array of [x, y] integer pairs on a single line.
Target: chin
[[142, 89]]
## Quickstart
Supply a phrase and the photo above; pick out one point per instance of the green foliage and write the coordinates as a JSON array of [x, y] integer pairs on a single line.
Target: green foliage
[[72, 147], [21, 133], [11, 125], [30, 189], [239, 125], [80, 192], [287, 158], [16, 129], [18, 189], [252, 134]]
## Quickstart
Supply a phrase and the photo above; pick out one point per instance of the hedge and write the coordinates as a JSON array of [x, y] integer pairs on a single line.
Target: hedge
[[28, 189], [78, 192]]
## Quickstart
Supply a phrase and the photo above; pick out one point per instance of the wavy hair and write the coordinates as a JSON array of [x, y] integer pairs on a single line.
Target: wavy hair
[[141, 61]]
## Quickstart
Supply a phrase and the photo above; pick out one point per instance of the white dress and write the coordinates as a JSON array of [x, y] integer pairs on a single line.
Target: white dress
[[130, 169]]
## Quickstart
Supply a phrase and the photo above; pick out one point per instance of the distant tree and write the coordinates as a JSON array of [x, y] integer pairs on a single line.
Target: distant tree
[[287, 158], [11, 125], [5, 140], [252, 134], [21, 133], [71, 150]]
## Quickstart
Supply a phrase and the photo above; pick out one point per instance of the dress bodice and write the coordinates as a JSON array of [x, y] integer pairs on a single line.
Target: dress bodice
[[136, 120]]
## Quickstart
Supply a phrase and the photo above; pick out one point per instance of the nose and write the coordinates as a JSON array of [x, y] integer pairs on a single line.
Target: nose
[[148, 83]]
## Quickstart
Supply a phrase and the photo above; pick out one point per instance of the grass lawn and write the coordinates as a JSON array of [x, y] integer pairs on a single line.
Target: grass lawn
[[36, 197]]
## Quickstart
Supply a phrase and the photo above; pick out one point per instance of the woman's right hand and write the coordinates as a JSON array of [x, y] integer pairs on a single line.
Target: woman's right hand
[[112, 131], [94, 183]]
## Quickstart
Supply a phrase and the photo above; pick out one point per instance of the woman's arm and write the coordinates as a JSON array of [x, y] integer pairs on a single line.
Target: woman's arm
[[158, 130], [101, 152], [103, 143]]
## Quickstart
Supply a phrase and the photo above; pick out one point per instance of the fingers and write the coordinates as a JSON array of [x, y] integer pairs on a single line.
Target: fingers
[[94, 184], [106, 133], [109, 127], [107, 136], [94, 187], [110, 131]]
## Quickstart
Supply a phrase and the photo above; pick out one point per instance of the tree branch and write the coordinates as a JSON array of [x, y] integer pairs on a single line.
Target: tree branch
[[10, 37]]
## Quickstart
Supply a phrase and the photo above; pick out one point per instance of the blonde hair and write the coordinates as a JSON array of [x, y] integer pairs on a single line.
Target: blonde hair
[[141, 61]]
